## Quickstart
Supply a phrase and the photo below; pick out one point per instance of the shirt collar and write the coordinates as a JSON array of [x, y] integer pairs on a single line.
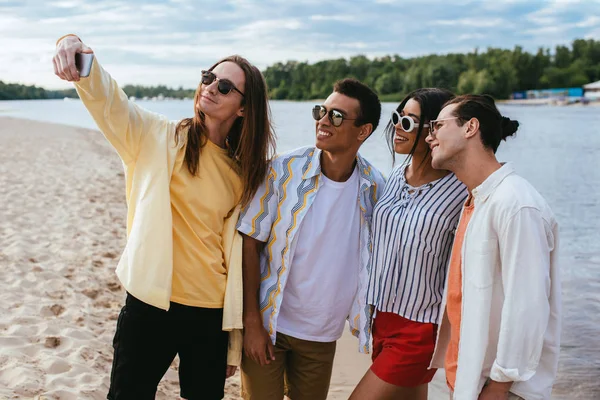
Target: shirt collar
[[364, 169], [487, 187], [314, 167]]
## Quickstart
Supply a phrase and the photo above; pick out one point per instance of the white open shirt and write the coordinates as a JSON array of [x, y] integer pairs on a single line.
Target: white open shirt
[[511, 306]]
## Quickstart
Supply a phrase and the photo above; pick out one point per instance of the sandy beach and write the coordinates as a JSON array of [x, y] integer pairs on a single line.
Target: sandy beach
[[62, 229]]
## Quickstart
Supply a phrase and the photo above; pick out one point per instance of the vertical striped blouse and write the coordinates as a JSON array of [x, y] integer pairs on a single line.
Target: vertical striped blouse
[[413, 230]]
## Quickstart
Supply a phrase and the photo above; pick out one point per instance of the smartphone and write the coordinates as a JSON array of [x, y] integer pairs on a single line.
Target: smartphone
[[83, 63]]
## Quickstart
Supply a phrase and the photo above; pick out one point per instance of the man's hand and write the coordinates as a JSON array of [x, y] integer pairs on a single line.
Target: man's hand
[[230, 371], [257, 344], [495, 391], [64, 58]]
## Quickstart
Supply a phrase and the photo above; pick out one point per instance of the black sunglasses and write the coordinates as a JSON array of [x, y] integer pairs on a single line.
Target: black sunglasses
[[224, 86], [335, 117]]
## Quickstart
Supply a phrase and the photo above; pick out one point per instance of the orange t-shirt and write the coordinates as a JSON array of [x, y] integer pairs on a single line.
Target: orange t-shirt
[[454, 296]]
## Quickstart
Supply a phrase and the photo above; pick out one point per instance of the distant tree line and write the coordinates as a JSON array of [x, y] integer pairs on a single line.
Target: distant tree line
[[13, 91], [154, 91], [498, 72]]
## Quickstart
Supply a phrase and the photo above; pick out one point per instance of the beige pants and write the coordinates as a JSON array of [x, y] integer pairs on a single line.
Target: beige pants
[[301, 370]]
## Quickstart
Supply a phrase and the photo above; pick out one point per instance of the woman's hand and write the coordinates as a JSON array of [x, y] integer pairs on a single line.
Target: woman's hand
[[64, 57]]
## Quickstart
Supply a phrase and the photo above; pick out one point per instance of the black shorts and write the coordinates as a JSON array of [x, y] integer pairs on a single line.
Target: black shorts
[[147, 340]]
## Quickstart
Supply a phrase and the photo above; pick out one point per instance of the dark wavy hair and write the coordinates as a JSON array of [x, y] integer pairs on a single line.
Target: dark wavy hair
[[251, 140], [493, 126]]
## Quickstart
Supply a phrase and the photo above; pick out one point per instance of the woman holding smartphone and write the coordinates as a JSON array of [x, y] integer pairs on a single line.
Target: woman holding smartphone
[[185, 180], [413, 226]]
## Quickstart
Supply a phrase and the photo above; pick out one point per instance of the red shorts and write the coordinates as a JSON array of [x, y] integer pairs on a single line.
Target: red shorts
[[402, 350]]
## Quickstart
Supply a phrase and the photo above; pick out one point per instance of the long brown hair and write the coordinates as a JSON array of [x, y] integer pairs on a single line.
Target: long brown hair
[[251, 140]]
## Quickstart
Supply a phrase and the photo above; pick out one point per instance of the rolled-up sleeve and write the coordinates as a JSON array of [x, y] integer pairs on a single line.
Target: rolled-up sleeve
[[234, 351], [258, 216], [525, 247]]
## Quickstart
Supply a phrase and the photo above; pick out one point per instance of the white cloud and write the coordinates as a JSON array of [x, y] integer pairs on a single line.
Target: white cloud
[[546, 30], [500, 6], [471, 36], [270, 26], [472, 22], [556, 31], [589, 22], [64, 4], [551, 13], [539, 19], [357, 45], [345, 18]]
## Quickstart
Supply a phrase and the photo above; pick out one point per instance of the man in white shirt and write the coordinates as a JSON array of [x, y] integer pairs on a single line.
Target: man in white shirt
[[500, 335], [306, 252]]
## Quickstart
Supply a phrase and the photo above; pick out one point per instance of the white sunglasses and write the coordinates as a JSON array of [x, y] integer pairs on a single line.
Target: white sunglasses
[[406, 123]]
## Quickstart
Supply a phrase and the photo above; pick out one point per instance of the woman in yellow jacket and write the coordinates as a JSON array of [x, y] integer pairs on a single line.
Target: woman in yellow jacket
[[185, 179]]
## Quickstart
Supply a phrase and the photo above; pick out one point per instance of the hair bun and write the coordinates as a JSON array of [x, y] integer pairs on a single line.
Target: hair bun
[[509, 127]]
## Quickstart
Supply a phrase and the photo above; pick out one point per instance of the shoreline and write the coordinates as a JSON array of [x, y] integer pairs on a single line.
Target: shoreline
[[547, 102], [523, 102]]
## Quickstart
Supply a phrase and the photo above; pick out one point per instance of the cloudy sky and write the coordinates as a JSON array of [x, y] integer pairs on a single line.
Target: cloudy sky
[[170, 41]]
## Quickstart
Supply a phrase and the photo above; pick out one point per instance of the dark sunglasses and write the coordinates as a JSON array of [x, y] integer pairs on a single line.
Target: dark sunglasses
[[335, 117], [224, 86]]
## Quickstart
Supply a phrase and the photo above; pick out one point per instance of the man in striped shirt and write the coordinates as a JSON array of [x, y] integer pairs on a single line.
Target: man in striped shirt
[[306, 252]]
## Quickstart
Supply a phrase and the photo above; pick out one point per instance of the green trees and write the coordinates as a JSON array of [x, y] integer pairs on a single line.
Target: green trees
[[473, 81], [498, 72], [12, 91]]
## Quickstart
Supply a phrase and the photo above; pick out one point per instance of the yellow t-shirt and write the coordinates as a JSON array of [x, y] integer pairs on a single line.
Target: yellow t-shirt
[[200, 204]]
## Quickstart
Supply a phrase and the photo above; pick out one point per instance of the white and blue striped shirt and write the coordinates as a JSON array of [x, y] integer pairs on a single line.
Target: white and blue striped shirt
[[413, 230]]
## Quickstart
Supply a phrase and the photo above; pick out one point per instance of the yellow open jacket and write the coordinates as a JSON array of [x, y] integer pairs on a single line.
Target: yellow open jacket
[[145, 141]]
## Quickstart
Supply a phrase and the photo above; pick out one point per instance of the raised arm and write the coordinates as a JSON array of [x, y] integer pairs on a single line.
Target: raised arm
[[121, 121]]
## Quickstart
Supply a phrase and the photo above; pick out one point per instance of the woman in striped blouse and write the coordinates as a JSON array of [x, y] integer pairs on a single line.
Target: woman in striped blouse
[[413, 229]]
